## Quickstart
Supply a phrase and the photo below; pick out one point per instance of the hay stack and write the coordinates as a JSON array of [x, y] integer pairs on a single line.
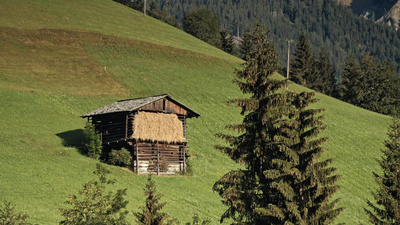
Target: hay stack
[[158, 127]]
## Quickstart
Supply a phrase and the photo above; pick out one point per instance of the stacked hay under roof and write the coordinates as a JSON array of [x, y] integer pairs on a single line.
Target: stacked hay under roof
[[158, 127]]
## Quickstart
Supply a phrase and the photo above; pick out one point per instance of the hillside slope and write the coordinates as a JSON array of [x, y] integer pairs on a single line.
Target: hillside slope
[[384, 11], [392, 17], [59, 60]]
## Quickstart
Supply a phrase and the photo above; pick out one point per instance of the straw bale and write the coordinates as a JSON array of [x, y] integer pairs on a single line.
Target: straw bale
[[158, 127]]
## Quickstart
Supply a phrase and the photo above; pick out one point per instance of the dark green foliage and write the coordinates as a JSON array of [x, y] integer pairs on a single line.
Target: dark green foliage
[[328, 24], [241, 189], [302, 68], [203, 24], [282, 182], [120, 157], [387, 197], [325, 81], [311, 179], [351, 80], [92, 141], [316, 74], [370, 84], [198, 221], [162, 15], [154, 11], [95, 206], [150, 214], [8, 216], [134, 4], [226, 42], [246, 45]]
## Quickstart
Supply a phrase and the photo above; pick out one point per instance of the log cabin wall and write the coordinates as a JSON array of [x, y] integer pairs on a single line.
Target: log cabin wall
[[114, 127], [159, 158]]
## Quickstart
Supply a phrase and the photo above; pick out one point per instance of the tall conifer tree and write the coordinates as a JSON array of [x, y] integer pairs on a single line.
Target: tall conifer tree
[[310, 178], [303, 64], [351, 80], [281, 182], [387, 197], [246, 45], [226, 42], [325, 81], [247, 192]]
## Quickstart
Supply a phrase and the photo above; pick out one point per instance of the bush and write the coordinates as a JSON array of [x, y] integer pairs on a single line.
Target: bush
[[120, 157], [95, 205], [8, 216], [92, 141], [198, 221]]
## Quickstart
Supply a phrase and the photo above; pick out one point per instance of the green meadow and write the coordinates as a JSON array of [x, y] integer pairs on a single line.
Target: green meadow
[[61, 59]]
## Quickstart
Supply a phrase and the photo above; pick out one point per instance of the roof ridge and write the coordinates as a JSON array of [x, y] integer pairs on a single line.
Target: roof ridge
[[123, 100], [128, 105]]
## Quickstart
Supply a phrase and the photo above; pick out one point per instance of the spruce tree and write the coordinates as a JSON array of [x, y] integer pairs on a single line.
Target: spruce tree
[[247, 192], [246, 45], [387, 197], [150, 214], [370, 84], [303, 64], [311, 180], [282, 181], [325, 81], [351, 80], [226, 42]]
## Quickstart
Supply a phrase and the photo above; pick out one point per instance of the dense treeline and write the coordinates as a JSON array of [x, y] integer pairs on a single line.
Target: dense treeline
[[370, 84], [152, 11], [326, 23], [313, 72], [366, 83]]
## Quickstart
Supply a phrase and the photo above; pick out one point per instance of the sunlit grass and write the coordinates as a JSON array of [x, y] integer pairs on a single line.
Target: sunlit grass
[[48, 78]]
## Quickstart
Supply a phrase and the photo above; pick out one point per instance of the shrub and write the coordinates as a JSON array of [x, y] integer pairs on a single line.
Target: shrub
[[95, 205], [92, 141], [198, 221], [120, 157], [8, 216]]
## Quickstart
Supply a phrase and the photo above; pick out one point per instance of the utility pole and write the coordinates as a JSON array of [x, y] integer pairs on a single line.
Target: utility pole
[[237, 32], [144, 8], [288, 64]]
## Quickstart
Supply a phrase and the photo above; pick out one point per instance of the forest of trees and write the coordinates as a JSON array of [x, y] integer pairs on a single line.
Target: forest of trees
[[325, 22]]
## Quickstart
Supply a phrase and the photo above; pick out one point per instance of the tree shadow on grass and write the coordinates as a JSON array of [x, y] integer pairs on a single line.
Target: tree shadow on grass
[[74, 139]]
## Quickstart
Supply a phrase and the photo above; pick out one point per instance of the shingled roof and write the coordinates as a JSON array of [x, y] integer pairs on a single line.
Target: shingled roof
[[130, 105]]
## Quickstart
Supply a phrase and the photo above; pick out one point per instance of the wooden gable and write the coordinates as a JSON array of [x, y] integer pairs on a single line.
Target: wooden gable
[[166, 106]]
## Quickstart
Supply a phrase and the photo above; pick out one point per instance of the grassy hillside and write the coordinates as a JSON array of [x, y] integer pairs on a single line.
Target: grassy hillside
[[61, 59]]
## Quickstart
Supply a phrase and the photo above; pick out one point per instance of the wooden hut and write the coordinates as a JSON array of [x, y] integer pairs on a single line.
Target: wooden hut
[[153, 129]]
